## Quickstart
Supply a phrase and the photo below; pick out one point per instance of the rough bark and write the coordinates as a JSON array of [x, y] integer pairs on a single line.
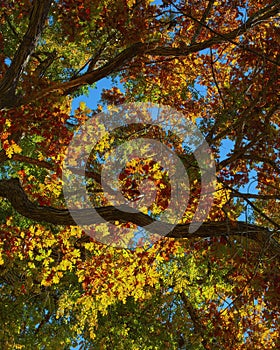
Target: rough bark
[[37, 19], [14, 193], [9, 82]]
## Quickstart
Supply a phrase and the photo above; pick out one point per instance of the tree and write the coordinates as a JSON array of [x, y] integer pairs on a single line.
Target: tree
[[214, 62]]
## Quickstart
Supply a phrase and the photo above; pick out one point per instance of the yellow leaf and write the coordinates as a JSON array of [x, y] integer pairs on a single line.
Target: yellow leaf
[[56, 279], [13, 148], [40, 156], [83, 106], [8, 123]]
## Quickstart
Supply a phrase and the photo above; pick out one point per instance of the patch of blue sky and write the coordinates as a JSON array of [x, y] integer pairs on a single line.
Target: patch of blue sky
[[8, 61], [92, 99]]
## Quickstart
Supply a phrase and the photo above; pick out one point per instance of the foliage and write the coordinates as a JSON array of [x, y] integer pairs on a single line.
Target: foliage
[[215, 62]]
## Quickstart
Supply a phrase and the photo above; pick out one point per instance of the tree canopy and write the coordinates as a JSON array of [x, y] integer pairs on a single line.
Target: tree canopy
[[216, 65]]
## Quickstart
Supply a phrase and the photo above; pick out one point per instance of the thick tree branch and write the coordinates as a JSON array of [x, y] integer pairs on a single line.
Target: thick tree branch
[[93, 76], [118, 62], [12, 190], [37, 20]]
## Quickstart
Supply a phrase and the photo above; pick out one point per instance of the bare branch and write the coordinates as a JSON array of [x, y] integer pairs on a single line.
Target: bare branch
[[256, 196], [255, 208], [215, 79], [267, 12]]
